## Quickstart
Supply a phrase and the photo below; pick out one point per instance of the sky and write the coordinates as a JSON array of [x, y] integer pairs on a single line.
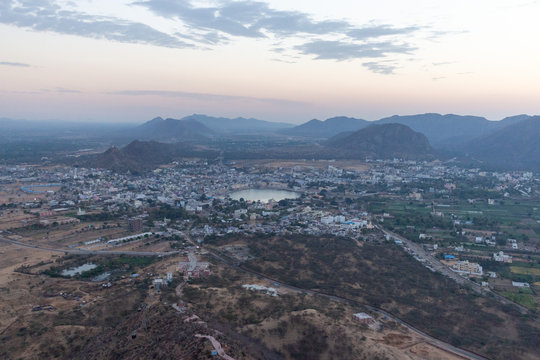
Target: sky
[[278, 60]]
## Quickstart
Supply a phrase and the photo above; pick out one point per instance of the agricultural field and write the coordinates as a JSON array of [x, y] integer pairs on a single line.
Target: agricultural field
[[524, 297], [509, 213], [525, 270]]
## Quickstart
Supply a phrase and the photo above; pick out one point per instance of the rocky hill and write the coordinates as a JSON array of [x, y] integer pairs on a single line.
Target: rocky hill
[[451, 131], [140, 156], [515, 146], [383, 141], [326, 129], [136, 157], [170, 130], [237, 125]]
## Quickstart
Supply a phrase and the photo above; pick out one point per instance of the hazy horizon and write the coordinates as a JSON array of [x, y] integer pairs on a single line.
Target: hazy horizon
[[180, 117]]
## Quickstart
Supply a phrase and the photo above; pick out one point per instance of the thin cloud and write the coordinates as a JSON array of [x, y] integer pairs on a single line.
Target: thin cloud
[[444, 63], [257, 19], [379, 31], [202, 96], [222, 22], [49, 16], [243, 18], [380, 67], [340, 50], [67, 91], [14, 64], [59, 90]]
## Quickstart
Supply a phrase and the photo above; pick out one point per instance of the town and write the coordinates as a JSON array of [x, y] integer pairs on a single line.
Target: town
[[325, 199], [476, 228]]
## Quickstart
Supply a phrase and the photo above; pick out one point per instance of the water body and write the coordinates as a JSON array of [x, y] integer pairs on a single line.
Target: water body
[[78, 269], [264, 195]]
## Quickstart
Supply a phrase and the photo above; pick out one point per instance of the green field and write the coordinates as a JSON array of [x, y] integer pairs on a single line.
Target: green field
[[507, 213], [525, 299], [524, 270]]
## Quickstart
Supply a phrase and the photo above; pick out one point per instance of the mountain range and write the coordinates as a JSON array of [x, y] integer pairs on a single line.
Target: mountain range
[[513, 142], [237, 125], [443, 131], [451, 131], [325, 129]]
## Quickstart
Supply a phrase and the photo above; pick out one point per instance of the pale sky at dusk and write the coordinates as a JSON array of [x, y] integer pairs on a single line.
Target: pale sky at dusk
[[291, 61]]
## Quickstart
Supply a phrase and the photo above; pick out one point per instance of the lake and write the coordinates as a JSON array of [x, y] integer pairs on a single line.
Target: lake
[[264, 195]]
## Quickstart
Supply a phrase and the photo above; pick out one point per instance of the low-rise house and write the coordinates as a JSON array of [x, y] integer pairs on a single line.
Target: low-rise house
[[467, 268], [501, 257]]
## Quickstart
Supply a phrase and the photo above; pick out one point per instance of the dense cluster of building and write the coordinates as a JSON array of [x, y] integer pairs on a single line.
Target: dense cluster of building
[[323, 201]]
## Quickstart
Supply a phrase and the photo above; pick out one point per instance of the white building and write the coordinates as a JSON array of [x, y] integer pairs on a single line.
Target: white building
[[340, 219], [327, 220], [467, 268], [501, 257], [239, 213], [363, 317]]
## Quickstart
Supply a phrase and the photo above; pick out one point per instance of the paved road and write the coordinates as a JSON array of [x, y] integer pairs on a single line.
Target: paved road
[[192, 261], [87, 252], [445, 270]]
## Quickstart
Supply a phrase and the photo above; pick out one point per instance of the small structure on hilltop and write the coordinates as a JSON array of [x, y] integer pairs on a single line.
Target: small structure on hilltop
[[367, 319], [266, 290]]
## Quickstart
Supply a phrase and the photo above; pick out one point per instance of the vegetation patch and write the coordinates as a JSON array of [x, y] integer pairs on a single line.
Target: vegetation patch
[[525, 270], [384, 276], [523, 297]]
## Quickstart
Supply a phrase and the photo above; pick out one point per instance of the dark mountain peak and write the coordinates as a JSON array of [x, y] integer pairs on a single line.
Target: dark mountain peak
[[515, 119], [445, 131], [170, 130], [196, 117], [343, 119], [326, 129], [236, 125], [514, 146], [384, 141], [137, 157], [155, 120], [431, 116], [112, 150]]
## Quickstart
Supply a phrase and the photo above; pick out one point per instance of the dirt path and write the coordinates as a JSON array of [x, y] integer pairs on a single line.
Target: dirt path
[[216, 345], [87, 252]]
